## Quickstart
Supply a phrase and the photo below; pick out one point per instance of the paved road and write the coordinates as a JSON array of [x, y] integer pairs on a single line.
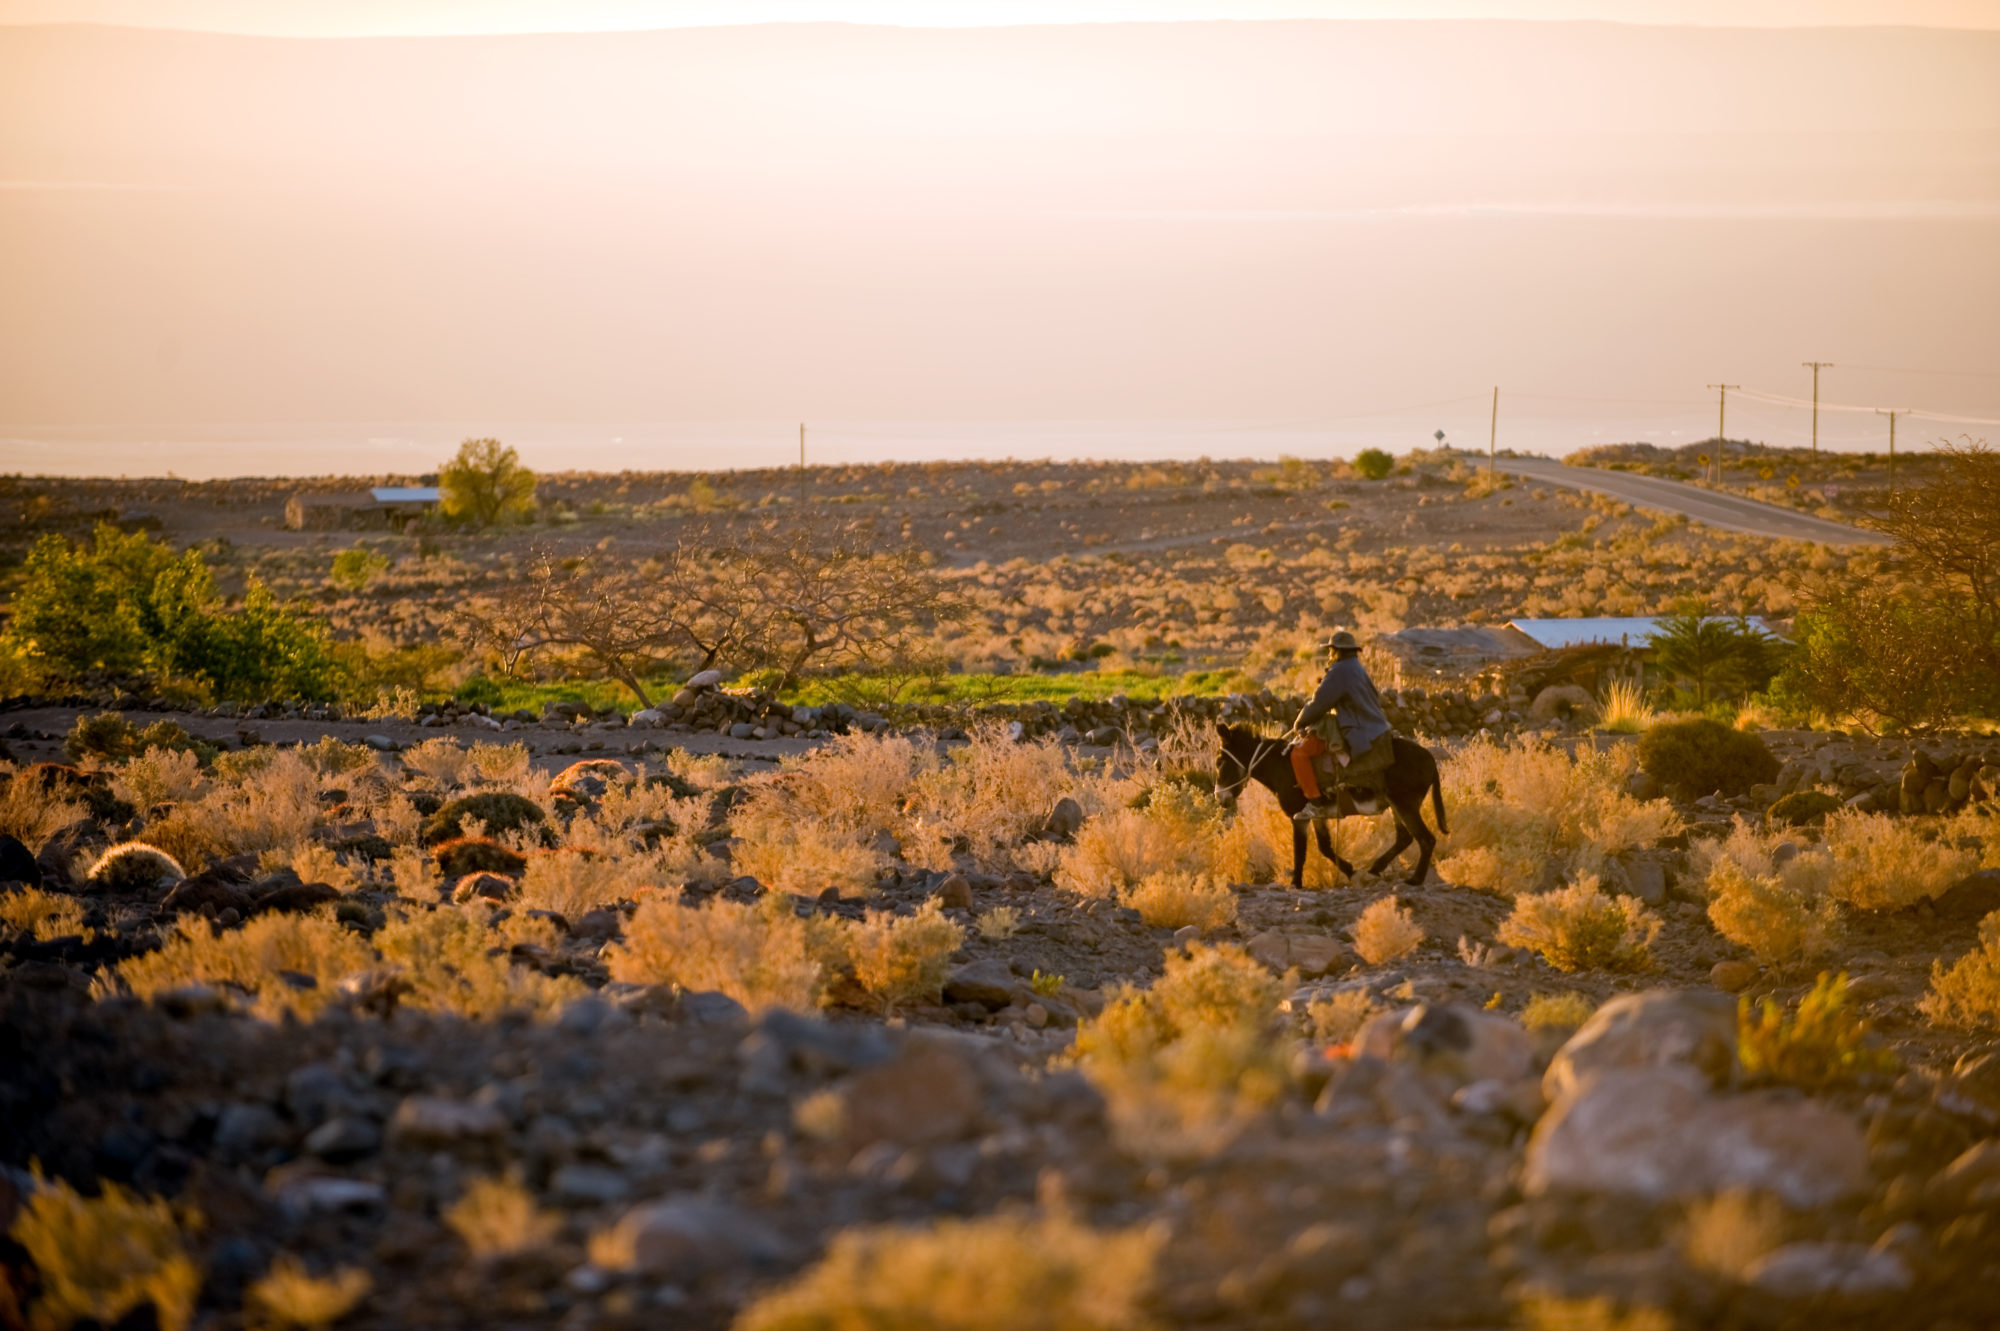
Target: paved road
[[1727, 511]]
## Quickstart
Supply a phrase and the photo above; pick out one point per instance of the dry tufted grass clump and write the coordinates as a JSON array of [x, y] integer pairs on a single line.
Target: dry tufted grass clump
[[272, 804], [760, 955], [1557, 1012], [497, 811], [43, 915], [1183, 1064], [902, 959], [1726, 1234], [1008, 1272], [159, 776], [290, 1295], [1179, 828], [1884, 863], [1819, 1043], [441, 760], [31, 814], [788, 850], [1172, 899], [1967, 993], [1520, 810], [1601, 1313], [1783, 912], [1339, 1017], [1385, 931], [103, 1258], [1580, 928], [498, 1217], [133, 866], [452, 960], [254, 959]]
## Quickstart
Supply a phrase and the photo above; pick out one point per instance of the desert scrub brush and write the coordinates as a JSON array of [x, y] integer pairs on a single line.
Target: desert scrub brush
[[134, 866]]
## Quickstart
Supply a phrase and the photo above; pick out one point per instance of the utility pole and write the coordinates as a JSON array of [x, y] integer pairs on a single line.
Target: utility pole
[[1721, 434], [802, 467], [1892, 446], [1493, 435], [1816, 366]]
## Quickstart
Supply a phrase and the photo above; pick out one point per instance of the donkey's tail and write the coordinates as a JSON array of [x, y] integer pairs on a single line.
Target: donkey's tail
[[1437, 802]]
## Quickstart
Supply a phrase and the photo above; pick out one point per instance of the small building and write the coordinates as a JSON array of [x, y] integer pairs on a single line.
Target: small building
[[379, 509]]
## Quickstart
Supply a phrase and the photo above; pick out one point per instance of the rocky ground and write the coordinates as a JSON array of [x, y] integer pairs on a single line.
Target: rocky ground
[[1444, 1167]]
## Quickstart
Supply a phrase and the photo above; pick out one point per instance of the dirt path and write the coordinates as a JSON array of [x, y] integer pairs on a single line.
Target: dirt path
[[1727, 511]]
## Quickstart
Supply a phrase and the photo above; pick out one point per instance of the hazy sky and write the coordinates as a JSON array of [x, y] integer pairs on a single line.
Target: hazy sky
[[1304, 226], [351, 18]]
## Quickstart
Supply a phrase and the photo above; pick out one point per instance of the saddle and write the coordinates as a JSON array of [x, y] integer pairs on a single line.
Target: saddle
[[1324, 779]]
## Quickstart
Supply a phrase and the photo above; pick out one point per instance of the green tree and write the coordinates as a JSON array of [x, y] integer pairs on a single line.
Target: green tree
[[1374, 464], [485, 484], [1718, 658]]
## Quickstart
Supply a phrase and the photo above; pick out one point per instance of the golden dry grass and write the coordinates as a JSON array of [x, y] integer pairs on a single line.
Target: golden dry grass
[[250, 959], [159, 776], [1884, 863], [761, 956], [1009, 1272], [1385, 931], [1339, 1017], [290, 1295], [1966, 994], [1557, 1012], [1726, 1234], [31, 815], [101, 1258], [498, 1217], [1580, 928], [1172, 899], [902, 959], [43, 915], [447, 958]]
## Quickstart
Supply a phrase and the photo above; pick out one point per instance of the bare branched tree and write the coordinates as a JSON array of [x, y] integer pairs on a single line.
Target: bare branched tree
[[1948, 534]]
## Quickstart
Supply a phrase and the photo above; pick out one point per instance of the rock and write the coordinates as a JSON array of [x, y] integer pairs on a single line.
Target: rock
[[1065, 820], [589, 1185], [1656, 1133], [598, 924], [988, 983], [1645, 878], [929, 1094], [425, 1121], [1271, 948], [242, 1129], [1820, 1271], [1459, 1043], [483, 887], [1804, 808], [1657, 1028], [301, 1197], [1970, 1182], [1972, 897], [17, 864], [1732, 977], [742, 730], [344, 1139], [785, 1044], [687, 1237], [1315, 954], [206, 894], [954, 891], [189, 1000], [1561, 702], [1973, 1089], [705, 679], [1642, 786], [294, 899], [380, 743], [317, 1092], [648, 718]]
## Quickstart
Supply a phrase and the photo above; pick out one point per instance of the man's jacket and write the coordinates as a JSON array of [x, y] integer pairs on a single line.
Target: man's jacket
[[1350, 696]]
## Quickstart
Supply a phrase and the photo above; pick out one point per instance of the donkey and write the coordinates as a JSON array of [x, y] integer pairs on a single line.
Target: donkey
[[1247, 756]]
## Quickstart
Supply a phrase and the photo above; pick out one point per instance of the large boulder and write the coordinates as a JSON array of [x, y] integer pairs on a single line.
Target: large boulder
[[682, 1238], [1657, 1134], [17, 863], [931, 1093], [1458, 1043], [1658, 1028]]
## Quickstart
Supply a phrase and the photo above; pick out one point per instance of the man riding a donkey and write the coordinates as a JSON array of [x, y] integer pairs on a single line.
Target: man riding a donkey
[[1343, 723], [1371, 768]]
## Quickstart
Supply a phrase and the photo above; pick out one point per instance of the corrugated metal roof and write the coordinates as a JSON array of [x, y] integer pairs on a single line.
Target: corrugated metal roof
[[1632, 631], [405, 494]]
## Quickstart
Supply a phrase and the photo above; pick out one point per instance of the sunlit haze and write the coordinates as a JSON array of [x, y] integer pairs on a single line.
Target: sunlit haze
[[621, 235]]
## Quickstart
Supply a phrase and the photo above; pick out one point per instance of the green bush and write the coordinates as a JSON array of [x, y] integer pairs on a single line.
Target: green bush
[[1374, 464], [110, 738], [1803, 808], [128, 605], [485, 483], [498, 810], [1699, 756]]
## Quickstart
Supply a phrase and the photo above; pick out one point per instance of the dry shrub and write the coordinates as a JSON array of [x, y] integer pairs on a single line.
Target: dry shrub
[[1600, 1313], [1625, 709], [903, 959], [497, 811], [289, 1295], [497, 1217], [1579, 928], [993, 792], [133, 866], [1884, 863], [447, 959], [1175, 830], [316, 862], [1520, 809], [1967, 994], [570, 882], [43, 915], [761, 956], [1725, 1235], [1339, 1017], [1385, 931], [415, 874], [250, 958], [1557, 1012], [159, 776], [1820, 1043], [329, 756], [703, 771], [442, 759], [1002, 922], [1184, 1063], [1174, 900], [32, 815], [997, 1273], [790, 849], [101, 1258], [509, 765], [271, 806], [1783, 917]]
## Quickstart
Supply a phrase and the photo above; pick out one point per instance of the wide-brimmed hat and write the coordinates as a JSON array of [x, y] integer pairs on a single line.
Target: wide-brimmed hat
[[1342, 641]]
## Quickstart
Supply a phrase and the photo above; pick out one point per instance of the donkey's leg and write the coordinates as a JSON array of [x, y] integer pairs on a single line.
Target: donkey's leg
[[1298, 853], [1413, 817], [1403, 839], [1326, 849]]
